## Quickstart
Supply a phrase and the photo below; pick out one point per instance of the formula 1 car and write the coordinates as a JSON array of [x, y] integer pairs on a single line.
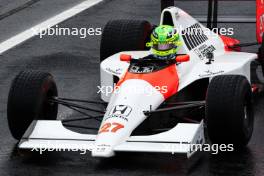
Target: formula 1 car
[[209, 84]]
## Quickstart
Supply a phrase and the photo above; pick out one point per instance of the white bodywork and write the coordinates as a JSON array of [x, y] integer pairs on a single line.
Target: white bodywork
[[41, 133]]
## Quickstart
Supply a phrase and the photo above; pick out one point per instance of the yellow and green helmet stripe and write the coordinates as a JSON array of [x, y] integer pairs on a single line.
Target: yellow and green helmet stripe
[[164, 34]]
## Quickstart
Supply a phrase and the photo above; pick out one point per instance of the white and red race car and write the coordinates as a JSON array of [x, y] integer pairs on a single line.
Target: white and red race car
[[154, 105]]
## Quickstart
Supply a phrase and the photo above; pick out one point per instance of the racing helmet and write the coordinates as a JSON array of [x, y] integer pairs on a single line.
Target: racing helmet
[[164, 42]]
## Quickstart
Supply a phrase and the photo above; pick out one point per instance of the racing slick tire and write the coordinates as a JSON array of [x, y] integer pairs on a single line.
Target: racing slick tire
[[28, 100], [124, 35], [229, 111]]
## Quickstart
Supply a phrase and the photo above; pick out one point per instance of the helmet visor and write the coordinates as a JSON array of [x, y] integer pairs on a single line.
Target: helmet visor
[[163, 46]]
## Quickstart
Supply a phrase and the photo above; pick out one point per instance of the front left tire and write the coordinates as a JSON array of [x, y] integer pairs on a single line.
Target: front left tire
[[229, 110]]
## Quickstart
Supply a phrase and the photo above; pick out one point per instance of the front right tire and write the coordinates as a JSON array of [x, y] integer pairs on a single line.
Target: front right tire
[[28, 100]]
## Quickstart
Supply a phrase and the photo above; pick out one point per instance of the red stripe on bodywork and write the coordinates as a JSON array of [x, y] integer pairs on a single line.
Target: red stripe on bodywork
[[165, 77]]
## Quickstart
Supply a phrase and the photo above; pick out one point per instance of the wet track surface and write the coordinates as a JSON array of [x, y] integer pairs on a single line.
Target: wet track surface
[[74, 62]]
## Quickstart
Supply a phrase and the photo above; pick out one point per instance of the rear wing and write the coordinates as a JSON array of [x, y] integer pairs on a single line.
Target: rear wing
[[213, 19]]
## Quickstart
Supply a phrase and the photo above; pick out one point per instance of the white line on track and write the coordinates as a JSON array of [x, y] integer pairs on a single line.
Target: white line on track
[[27, 34]]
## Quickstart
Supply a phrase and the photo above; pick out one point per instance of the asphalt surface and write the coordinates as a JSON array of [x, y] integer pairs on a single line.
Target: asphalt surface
[[74, 62], [19, 15]]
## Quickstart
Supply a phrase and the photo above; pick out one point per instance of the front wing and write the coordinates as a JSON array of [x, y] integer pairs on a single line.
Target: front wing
[[49, 135]]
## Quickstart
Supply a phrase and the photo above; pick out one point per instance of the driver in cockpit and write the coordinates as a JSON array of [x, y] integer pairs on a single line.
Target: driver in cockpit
[[164, 42]]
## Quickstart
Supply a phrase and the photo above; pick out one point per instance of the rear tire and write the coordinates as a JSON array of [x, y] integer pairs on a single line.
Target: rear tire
[[124, 35], [229, 111], [28, 100]]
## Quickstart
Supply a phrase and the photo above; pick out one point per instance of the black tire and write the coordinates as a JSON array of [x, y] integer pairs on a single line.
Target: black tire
[[229, 111], [124, 35], [28, 100]]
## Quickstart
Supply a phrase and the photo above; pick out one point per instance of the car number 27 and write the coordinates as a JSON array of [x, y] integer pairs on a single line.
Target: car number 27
[[110, 127]]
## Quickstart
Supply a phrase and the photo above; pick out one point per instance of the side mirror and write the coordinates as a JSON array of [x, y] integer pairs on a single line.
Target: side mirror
[[183, 58], [125, 57]]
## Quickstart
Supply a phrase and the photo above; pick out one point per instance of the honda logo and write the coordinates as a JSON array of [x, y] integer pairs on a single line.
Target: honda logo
[[121, 110]]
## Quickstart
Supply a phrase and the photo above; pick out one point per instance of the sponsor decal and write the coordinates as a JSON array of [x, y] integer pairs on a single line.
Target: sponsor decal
[[198, 53], [210, 73], [102, 147], [203, 50], [117, 71], [137, 69], [209, 49], [120, 111]]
